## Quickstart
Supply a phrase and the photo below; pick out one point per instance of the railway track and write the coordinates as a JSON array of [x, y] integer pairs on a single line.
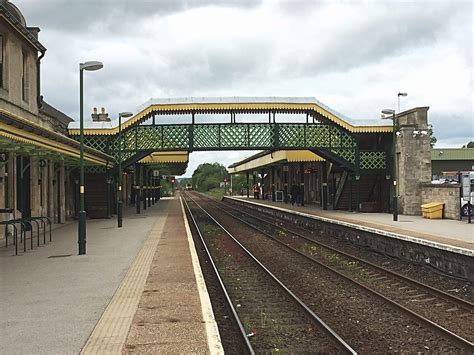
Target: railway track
[[270, 317], [443, 313]]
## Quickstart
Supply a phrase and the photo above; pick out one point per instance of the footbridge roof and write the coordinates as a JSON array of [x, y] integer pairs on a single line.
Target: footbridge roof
[[209, 105]]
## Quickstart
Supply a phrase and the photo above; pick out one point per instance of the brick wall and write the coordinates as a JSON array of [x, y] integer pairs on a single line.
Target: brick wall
[[446, 193]]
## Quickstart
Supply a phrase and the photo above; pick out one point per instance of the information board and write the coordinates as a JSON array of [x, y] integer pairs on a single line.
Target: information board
[[466, 186]]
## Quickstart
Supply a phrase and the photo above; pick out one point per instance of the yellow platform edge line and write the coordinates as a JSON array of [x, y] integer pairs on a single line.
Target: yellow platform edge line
[[212, 331]]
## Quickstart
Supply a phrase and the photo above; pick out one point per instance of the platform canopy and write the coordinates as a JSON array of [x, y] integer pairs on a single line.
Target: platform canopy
[[166, 157], [22, 136], [267, 158], [167, 163]]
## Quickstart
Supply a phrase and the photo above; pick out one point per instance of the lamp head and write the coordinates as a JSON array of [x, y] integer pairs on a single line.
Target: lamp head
[[91, 66], [388, 112], [402, 94], [125, 114]]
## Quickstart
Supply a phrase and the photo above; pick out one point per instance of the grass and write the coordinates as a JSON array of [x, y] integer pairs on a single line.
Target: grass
[[209, 229], [217, 193]]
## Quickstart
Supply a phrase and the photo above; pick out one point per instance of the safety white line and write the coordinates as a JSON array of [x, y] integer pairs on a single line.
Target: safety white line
[[213, 336]]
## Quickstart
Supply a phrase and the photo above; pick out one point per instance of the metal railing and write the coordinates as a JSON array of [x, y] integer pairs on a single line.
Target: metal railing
[[22, 225]]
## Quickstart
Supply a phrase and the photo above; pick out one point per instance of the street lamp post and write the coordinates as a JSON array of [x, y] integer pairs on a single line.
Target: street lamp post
[[119, 194], [400, 94], [90, 66], [394, 151]]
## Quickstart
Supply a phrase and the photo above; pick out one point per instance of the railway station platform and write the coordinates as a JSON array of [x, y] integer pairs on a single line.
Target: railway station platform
[[138, 289], [449, 234], [446, 245]]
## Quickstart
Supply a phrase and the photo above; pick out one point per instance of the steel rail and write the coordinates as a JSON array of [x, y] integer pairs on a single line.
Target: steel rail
[[458, 340], [328, 329], [221, 283], [469, 306]]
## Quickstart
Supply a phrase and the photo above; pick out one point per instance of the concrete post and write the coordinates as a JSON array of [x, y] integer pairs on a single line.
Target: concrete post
[[413, 157]]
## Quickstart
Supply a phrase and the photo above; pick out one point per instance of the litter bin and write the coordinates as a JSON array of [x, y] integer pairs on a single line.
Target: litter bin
[[432, 210]]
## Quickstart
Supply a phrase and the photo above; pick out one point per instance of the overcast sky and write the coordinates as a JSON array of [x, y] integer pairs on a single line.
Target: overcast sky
[[354, 56]]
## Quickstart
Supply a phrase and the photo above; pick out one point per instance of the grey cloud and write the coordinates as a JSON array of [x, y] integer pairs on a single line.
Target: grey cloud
[[448, 125], [388, 30], [299, 6], [304, 60], [80, 15]]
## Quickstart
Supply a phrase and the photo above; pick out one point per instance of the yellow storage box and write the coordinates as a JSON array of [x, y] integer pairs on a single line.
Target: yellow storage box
[[432, 210]]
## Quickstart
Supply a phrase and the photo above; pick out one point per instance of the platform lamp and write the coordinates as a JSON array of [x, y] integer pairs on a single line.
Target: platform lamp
[[89, 66], [119, 194], [400, 94], [394, 135]]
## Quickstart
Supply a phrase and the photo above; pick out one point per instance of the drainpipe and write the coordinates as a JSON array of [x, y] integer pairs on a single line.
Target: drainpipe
[[39, 98]]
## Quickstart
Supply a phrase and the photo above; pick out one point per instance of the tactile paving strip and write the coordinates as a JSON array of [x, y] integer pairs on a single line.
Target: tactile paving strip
[[110, 333]]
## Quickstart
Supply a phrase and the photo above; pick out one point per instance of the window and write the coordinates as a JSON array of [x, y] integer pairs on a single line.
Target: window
[[24, 77], [1, 59]]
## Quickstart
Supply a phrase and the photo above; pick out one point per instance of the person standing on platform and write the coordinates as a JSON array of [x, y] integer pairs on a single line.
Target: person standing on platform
[[294, 191], [256, 192]]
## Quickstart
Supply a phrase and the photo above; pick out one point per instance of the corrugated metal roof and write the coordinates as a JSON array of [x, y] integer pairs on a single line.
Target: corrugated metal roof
[[452, 154]]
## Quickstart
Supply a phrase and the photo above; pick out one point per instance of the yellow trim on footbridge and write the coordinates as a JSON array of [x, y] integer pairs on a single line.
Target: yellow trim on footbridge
[[260, 107]]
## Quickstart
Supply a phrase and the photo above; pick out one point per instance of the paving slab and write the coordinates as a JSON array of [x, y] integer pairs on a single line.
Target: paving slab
[[51, 305], [173, 315]]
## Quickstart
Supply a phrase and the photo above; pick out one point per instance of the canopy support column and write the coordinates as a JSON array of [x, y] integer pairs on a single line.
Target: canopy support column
[[248, 183], [273, 184], [143, 179], [138, 187], [302, 183], [324, 196]]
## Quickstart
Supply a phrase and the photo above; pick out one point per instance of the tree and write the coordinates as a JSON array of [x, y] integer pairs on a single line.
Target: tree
[[208, 176], [468, 145], [239, 182], [433, 139]]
